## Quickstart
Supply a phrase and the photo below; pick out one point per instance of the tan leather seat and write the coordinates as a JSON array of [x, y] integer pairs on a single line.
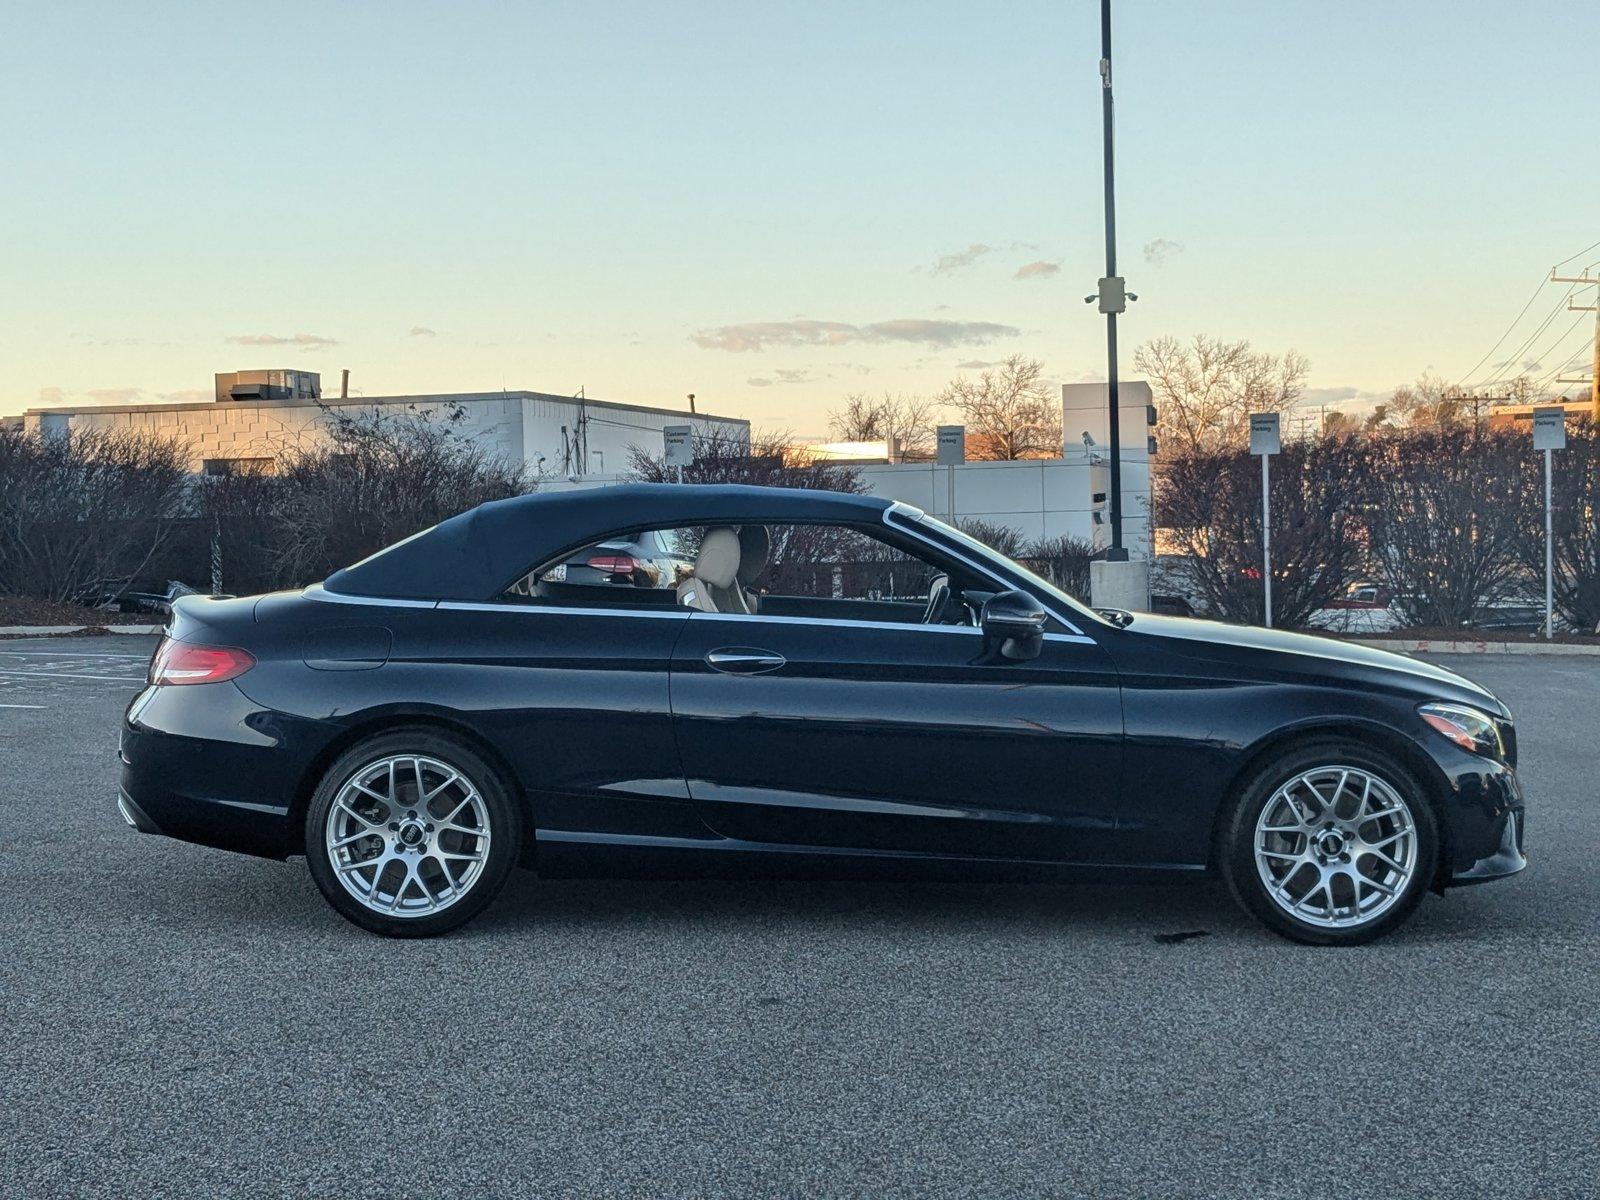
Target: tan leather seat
[[714, 584]]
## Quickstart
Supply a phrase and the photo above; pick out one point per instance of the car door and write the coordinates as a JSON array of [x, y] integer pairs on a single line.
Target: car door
[[897, 736]]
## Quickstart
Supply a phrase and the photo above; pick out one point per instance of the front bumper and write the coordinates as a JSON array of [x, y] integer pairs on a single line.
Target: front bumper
[[1484, 821], [1507, 858]]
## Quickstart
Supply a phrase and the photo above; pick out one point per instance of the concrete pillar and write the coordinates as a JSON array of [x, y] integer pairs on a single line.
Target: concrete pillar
[[1124, 585]]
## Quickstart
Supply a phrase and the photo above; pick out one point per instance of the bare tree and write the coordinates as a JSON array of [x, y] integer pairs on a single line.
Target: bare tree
[[885, 418], [1210, 503], [1574, 524], [1063, 560], [1010, 412], [85, 509], [1448, 504], [381, 476], [1432, 402], [1206, 389]]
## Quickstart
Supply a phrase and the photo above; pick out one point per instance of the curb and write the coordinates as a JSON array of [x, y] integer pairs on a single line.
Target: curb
[[60, 630], [1428, 646]]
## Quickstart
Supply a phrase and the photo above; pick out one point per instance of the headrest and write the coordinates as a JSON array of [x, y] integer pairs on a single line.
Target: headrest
[[755, 548], [718, 560]]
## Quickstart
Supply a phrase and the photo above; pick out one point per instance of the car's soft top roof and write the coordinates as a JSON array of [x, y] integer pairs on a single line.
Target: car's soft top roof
[[476, 555]]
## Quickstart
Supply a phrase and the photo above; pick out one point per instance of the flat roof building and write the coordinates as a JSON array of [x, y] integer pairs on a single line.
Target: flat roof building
[[258, 415]]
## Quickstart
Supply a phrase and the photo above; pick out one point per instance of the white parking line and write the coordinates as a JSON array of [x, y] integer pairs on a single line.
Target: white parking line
[[10, 673], [24, 706]]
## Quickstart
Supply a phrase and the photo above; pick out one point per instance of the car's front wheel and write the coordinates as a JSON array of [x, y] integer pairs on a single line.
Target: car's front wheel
[[1331, 843], [411, 834]]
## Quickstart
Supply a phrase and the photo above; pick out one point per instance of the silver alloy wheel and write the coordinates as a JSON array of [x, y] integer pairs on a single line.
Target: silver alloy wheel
[[1336, 846], [408, 835]]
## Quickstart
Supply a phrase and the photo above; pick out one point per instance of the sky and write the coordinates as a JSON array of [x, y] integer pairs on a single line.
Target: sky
[[773, 205]]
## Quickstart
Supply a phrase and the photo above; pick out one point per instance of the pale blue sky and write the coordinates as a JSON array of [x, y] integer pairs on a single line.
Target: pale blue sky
[[606, 195]]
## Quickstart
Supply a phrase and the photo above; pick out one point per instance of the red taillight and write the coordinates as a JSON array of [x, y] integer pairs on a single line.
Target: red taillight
[[184, 662], [614, 564]]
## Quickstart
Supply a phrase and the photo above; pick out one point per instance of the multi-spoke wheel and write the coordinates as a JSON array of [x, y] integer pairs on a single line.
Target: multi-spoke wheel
[[410, 834], [1331, 843]]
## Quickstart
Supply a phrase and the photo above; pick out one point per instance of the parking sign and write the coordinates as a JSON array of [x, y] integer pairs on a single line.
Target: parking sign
[[1264, 433], [1550, 428], [679, 445]]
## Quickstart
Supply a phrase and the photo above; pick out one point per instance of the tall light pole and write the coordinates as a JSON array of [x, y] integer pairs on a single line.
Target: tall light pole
[[1113, 294]]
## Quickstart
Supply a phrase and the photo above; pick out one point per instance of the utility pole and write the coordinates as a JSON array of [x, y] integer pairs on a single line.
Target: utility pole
[[1594, 373], [1113, 295]]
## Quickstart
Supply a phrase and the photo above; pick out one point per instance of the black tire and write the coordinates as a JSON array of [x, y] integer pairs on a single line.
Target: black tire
[[1236, 849], [505, 831]]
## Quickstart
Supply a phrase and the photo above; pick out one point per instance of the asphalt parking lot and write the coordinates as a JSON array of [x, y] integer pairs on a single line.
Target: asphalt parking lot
[[181, 1021]]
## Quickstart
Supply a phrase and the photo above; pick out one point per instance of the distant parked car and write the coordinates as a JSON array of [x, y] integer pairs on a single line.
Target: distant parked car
[[124, 596], [1172, 606], [643, 558]]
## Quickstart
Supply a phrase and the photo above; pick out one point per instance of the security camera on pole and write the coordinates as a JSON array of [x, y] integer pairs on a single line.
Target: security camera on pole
[[1549, 434], [1265, 441]]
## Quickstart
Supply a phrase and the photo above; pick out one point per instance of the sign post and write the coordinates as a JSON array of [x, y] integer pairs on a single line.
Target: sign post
[[952, 450], [1549, 434], [1265, 441], [679, 442]]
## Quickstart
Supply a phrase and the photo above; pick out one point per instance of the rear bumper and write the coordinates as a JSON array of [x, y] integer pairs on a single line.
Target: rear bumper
[[207, 765]]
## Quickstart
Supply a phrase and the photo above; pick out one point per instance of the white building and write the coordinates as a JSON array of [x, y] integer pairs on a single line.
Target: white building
[[1045, 497], [256, 422]]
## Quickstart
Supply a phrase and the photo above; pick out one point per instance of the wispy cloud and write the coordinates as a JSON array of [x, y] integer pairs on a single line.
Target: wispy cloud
[[781, 376], [961, 259], [188, 396], [1038, 270], [977, 364], [52, 395], [421, 331], [1160, 251], [309, 341], [759, 335]]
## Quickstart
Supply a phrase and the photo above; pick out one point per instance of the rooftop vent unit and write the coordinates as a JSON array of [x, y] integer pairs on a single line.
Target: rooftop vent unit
[[269, 385]]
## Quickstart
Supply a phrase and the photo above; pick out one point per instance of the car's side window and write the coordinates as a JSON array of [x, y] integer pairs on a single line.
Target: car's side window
[[815, 571], [795, 570]]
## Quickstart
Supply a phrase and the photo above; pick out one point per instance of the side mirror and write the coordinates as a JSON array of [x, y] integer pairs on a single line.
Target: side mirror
[[1013, 624]]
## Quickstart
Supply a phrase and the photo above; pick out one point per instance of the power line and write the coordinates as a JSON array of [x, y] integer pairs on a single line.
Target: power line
[[1502, 337], [1517, 319], [1580, 253], [1527, 342]]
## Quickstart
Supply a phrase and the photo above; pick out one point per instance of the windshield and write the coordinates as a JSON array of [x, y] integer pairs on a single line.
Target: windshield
[[1071, 603]]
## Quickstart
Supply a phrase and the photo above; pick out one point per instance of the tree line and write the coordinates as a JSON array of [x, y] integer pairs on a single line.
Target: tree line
[[1448, 519]]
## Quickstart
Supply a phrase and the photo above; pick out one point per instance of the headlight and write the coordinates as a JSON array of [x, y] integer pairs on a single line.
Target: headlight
[[1466, 727]]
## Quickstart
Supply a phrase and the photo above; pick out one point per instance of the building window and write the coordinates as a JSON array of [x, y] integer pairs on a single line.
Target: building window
[[240, 466]]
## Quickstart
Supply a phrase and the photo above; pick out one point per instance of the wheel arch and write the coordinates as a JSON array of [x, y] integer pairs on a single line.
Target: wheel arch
[[431, 721], [1378, 737]]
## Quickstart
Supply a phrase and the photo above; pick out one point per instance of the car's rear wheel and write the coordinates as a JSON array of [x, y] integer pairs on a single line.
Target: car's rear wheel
[[411, 834], [1332, 843]]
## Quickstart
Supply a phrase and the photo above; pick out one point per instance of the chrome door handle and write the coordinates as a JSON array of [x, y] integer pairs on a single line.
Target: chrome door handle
[[744, 662]]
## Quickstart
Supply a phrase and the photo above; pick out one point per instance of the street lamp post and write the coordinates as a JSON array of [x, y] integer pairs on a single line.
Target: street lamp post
[[1113, 292]]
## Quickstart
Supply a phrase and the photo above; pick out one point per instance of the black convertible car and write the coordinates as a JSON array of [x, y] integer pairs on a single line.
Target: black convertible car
[[841, 685]]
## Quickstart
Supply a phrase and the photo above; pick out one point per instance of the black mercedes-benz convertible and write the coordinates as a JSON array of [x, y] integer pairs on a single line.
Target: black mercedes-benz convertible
[[826, 683]]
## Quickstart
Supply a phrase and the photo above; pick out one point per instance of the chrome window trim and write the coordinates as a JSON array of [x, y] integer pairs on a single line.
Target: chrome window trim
[[844, 622], [905, 511], [672, 614], [848, 623]]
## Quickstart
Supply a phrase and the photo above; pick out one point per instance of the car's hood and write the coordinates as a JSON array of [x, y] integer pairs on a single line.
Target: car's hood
[[1235, 643]]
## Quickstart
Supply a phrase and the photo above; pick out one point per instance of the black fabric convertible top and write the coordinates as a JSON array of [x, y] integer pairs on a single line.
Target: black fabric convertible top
[[476, 555]]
